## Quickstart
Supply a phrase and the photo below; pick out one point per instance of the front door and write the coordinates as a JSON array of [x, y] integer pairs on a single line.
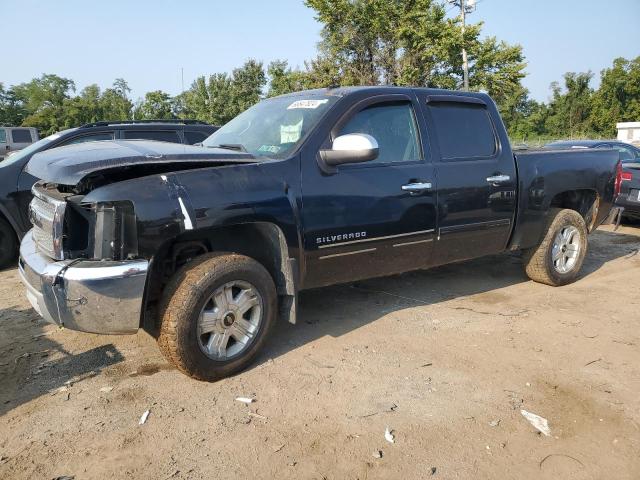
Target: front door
[[373, 218]]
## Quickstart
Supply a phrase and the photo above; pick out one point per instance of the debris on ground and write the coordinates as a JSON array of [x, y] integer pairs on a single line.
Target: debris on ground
[[388, 435], [65, 477], [538, 422], [106, 389], [433, 471], [494, 423], [245, 400], [144, 417], [28, 354], [257, 415], [377, 454], [278, 448], [559, 455]]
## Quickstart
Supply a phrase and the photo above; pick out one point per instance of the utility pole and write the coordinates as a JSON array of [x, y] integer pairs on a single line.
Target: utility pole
[[465, 62], [466, 6]]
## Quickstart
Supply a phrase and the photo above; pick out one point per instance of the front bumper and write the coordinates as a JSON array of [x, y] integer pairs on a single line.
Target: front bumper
[[96, 296]]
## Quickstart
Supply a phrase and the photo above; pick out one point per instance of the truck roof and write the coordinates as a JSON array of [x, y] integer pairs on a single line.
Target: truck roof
[[345, 91]]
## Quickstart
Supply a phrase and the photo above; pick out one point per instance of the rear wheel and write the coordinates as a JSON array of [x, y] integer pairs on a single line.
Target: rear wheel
[[8, 245], [217, 314], [557, 260]]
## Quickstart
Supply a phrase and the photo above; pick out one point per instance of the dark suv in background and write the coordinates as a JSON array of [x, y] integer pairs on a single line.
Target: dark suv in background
[[15, 183]]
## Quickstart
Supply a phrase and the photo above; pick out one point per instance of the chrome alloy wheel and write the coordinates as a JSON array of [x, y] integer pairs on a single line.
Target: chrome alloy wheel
[[566, 249], [230, 320]]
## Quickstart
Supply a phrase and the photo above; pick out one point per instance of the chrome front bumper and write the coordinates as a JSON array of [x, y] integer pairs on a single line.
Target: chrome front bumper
[[86, 295]]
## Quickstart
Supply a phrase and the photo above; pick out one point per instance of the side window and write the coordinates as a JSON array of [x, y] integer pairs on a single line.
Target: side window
[[625, 153], [3, 135], [157, 135], [89, 138], [21, 135], [394, 127], [464, 131], [194, 137]]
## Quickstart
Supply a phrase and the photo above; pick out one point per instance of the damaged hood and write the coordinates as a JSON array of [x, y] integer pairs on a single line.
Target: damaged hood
[[71, 164]]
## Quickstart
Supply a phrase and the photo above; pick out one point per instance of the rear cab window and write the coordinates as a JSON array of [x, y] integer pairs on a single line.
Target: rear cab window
[[464, 131]]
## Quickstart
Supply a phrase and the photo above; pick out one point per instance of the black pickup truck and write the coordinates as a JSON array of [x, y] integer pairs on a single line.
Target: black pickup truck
[[207, 246]]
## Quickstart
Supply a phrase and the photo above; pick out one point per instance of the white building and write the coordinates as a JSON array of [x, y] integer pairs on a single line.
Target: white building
[[629, 132]]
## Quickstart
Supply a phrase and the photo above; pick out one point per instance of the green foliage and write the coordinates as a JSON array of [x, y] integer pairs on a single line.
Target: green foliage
[[221, 97], [157, 105], [618, 98]]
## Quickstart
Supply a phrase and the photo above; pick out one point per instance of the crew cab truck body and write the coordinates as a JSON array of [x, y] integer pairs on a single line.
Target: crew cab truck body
[[206, 246]]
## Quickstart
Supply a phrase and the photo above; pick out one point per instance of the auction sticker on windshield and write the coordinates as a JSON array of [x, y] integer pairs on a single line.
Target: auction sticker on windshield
[[307, 104]]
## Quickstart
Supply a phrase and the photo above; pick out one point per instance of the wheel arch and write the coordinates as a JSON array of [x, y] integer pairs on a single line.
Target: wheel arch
[[584, 201], [263, 241]]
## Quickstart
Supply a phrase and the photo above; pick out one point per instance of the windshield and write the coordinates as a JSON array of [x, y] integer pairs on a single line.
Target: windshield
[[274, 127], [34, 147]]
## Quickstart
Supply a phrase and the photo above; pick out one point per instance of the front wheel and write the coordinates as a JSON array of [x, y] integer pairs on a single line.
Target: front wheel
[[558, 258], [217, 313]]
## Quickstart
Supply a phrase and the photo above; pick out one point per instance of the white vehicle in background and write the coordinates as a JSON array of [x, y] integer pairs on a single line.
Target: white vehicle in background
[[13, 139]]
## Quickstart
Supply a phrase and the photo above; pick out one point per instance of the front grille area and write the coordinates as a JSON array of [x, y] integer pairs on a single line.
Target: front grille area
[[47, 215]]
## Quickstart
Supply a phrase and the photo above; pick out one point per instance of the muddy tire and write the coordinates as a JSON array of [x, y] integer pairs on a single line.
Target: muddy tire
[[216, 315], [558, 258], [8, 245]]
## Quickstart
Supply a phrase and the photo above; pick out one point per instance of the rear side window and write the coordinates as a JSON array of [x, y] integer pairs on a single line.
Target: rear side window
[[464, 131], [157, 135], [95, 137], [194, 137], [21, 135], [3, 135]]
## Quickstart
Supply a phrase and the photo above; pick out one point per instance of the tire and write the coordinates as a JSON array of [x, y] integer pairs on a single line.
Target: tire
[[8, 245], [540, 264], [193, 325]]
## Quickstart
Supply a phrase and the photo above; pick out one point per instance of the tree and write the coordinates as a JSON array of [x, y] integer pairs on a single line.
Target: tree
[[156, 105], [115, 103], [618, 98], [410, 42], [222, 96], [570, 107], [43, 100], [12, 110]]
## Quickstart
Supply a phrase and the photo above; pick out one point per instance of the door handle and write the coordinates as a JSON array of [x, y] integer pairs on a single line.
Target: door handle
[[416, 188], [498, 179]]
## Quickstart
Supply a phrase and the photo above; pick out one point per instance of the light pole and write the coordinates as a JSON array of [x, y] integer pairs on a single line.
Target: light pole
[[466, 6]]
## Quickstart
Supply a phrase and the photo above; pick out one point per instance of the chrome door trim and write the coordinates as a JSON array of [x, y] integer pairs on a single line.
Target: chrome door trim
[[350, 242], [366, 250], [413, 243]]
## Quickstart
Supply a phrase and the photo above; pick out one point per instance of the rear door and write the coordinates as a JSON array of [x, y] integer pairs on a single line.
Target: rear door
[[476, 176], [365, 219]]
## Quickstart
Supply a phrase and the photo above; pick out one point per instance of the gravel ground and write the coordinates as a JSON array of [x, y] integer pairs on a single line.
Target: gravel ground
[[445, 359]]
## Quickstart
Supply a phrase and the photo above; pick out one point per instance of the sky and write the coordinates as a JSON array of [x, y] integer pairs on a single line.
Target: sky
[[150, 43]]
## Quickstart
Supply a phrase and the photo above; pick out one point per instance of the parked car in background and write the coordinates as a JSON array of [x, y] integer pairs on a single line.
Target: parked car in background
[[13, 139], [629, 197], [15, 183]]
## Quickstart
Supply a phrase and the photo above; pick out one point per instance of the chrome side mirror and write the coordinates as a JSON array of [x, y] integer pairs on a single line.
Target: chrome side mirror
[[351, 148]]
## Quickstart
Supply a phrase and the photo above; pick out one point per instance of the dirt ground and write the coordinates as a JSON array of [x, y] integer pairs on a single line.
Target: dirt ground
[[446, 359]]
